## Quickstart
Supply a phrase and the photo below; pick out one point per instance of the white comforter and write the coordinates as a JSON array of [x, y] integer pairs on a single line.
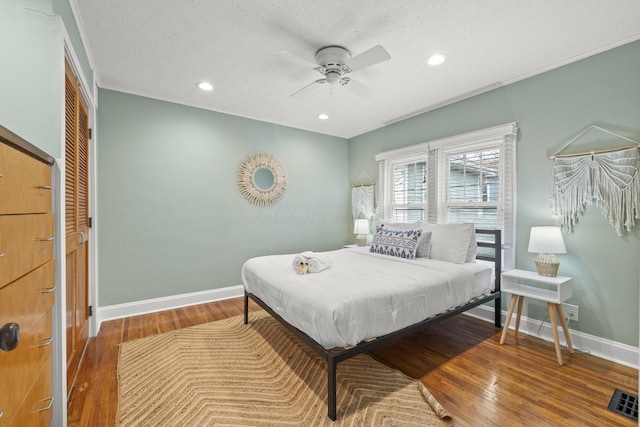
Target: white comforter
[[362, 295]]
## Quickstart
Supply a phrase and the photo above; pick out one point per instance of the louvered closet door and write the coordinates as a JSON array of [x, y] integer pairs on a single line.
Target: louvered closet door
[[76, 223]]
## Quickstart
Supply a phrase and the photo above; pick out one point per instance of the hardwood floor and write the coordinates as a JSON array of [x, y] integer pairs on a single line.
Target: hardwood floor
[[461, 361]]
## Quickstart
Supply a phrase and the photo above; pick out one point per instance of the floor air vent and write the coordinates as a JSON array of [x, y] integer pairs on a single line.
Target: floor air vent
[[625, 404]]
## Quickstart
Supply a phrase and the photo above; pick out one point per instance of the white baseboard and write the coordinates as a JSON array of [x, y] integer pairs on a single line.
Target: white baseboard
[[118, 311], [600, 347]]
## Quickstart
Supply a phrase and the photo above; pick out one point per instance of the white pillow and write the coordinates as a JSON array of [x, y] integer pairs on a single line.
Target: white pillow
[[422, 250], [472, 252], [452, 242]]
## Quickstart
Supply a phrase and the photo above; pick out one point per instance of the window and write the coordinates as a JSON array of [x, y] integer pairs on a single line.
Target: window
[[464, 178], [474, 187], [409, 191]]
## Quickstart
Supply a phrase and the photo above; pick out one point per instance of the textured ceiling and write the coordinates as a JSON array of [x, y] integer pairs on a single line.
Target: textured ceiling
[[162, 48]]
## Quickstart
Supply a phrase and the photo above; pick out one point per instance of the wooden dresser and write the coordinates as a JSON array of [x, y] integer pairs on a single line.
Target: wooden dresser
[[27, 283]]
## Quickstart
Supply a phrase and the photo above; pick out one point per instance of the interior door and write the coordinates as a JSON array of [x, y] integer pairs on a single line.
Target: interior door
[[76, 223]]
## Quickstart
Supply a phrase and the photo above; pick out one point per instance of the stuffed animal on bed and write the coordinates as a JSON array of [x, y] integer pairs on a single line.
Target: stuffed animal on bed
[[303, 268]]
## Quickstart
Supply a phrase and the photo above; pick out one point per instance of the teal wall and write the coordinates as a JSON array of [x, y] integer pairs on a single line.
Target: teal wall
[[170, 218], [550, 109], [31, 72]]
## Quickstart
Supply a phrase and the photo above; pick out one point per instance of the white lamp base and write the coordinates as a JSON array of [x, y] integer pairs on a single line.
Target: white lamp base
[[361, 240], [547, 265]]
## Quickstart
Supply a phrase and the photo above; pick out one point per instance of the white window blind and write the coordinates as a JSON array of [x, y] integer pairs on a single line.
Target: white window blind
[[461, 179], [473, 188], [409, 191]]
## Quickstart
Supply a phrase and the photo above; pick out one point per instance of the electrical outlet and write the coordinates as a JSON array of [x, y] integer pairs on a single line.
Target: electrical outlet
[[570, 311]]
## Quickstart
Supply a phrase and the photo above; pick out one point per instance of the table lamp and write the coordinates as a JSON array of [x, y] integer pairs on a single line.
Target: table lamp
[[547, 241], [361, 228]]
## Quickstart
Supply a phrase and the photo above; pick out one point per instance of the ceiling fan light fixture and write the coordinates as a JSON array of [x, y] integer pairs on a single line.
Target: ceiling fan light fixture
[[334, 62], [323, 116], [436, 59], [206, 86], [333, 77]]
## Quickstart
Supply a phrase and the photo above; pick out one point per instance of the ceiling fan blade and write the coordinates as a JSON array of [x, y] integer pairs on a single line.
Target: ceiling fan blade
[[289, 57], [370, 57], [356, 87], [308, 88]]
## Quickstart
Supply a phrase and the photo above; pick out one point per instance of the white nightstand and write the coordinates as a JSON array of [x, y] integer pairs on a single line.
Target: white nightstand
[[553, 290]]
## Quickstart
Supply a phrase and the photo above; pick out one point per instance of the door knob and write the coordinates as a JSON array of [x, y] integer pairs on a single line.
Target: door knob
[[9, 336]]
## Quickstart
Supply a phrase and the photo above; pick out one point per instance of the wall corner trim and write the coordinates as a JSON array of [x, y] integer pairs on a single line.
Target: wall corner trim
[[582, 342], [600, 347], [136, 308]]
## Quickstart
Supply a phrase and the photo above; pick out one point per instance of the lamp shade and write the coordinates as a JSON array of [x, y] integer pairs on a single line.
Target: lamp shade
[[546, 240], [361, 227]]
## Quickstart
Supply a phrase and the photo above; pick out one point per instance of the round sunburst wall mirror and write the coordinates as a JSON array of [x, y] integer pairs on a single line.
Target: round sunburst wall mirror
[[262, 179]]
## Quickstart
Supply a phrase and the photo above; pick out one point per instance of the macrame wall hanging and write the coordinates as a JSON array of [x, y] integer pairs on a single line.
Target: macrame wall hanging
[[362, 197], [610, 178]]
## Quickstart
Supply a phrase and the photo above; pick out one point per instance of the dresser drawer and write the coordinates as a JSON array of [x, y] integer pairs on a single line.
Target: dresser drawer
[[25, 300], [26, 242], [19, 368], [25, 184], [36, 409]]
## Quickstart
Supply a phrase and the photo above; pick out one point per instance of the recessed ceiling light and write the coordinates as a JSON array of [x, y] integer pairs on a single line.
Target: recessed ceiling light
[[436, 59], [323, 116], [205, 86]]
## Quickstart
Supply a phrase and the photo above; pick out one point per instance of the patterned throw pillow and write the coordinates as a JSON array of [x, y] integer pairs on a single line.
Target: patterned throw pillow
[[395, 242], [422, 250]]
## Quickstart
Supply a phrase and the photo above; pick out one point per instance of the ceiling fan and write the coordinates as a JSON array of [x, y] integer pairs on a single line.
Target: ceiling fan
[[334, 62]]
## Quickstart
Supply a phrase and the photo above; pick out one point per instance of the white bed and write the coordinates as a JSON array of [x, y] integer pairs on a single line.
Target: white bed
[[365, 300], [363, 295]]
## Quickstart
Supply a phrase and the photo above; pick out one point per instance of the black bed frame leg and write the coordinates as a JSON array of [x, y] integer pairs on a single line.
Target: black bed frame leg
[[498, 312], [331, 387], [246, 308]]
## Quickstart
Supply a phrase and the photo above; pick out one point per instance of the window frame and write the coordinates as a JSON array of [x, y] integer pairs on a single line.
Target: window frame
[[437, 154]]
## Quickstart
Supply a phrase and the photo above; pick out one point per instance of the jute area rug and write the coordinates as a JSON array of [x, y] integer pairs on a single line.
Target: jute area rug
[[226, 373]]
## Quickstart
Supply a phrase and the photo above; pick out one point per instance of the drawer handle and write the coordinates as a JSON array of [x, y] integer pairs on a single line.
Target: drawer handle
[[47, 290], [9, 336], [45, 239], [46, 408], [45, 342], [45, 187], [1, 255]]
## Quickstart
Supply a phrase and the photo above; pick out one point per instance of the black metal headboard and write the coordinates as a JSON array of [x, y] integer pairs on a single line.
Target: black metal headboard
[[496, 244]]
